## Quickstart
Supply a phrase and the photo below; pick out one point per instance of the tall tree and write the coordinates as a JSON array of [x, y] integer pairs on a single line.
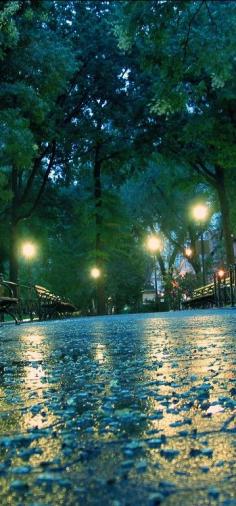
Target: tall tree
[[104, 133], [36, 67], [187, 50]]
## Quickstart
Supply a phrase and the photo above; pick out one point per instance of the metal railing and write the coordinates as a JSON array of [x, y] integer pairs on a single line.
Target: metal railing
[[219, 293]]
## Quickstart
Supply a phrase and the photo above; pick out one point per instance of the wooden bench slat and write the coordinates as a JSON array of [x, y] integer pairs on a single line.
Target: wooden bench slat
[[51, 304]]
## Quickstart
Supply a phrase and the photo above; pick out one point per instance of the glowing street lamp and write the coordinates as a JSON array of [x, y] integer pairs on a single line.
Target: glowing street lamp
[[95, 273], [29, 251], [200, 213], [188, 252], [154, 245], [221, 273]]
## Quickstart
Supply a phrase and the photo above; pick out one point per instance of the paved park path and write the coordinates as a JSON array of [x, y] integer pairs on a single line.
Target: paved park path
[[119, 410]]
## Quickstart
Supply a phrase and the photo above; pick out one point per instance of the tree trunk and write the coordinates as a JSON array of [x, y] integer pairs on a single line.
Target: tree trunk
[[161, 265], [13, 256], [224, 206], [101, 307], [194, 258]]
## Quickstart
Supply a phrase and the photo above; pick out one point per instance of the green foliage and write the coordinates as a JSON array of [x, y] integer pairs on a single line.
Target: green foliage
[[5, 193], [66, 248], [186, 51], [17, 140], [8, 30], [114, 117], [163, 194], [180, 41], [36, 66]]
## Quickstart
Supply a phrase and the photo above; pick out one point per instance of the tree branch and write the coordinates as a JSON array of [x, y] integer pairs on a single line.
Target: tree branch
[[43, 185], [201, 169], [32, 175], [186, 41], [74, 111], [210, 14]]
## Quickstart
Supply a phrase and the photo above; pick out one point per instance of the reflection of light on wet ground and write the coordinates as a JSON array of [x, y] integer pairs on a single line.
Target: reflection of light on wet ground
[[33, 339], [3, 403], [116, 385], [35, 356], [99, 353], [189, 356], [33, 375]]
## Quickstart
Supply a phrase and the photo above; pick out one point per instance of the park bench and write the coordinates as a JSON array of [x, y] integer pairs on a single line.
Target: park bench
[[51, 305], [204, 295], [219, 293], [8, 299], [201, 297]]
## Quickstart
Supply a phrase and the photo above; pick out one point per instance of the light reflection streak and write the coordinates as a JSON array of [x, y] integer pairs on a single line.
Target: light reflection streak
[[35, 355], [100, 353], [197, 351]]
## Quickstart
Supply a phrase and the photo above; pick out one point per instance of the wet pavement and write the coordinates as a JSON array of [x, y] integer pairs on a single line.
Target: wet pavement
[[119, 410]]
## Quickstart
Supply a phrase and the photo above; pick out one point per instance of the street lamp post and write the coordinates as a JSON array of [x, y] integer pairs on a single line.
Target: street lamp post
[[200, 213], [29, 252], [154, 245], [95, 274], [203, 259], [221, 286]]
